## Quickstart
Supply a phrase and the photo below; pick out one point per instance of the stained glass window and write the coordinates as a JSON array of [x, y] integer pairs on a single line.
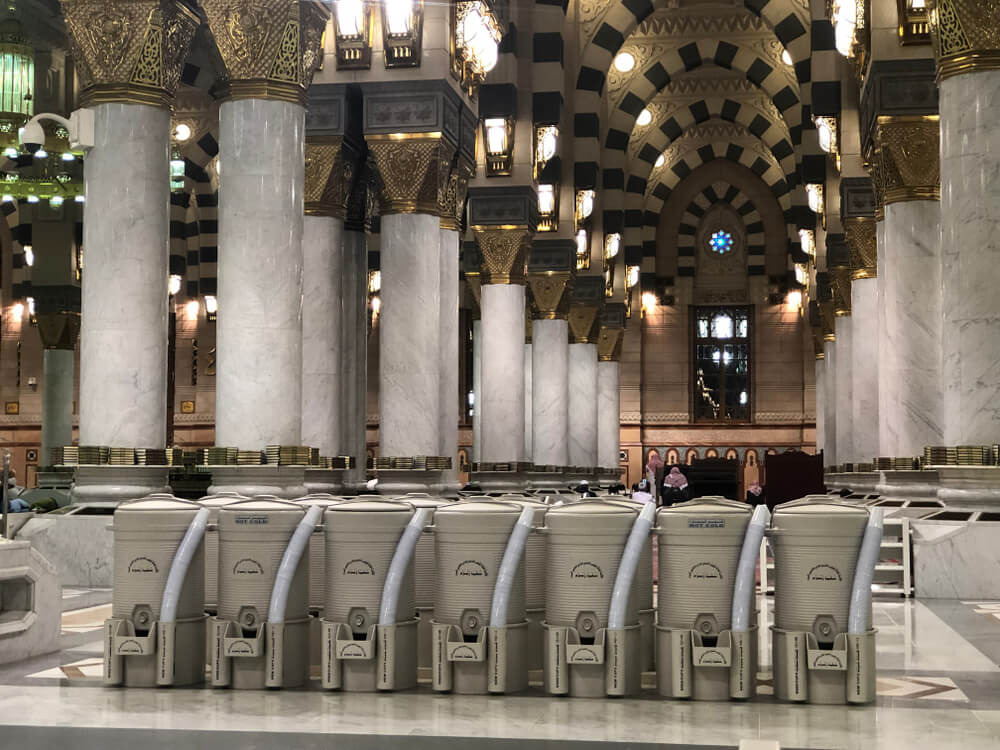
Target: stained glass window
[[721, 380], [721, 242]]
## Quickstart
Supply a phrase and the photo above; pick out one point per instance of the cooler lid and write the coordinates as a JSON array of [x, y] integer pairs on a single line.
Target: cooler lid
[[321, 499], [591, 517], [371, 506], [822, 517], [263, 503], [145, 505], [217, 501], [478, 516], [709, 516]]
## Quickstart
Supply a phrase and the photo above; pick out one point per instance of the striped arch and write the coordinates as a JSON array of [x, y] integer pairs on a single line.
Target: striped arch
[[20, 235], [606, 34], [689, 159], [194, 216], [753, 224]]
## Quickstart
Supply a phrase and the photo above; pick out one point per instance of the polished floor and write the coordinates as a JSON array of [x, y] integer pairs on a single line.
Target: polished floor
[[939, 687]]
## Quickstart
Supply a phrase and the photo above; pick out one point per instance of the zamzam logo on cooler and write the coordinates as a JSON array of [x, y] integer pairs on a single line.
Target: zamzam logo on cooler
[[359, 568], [586, 570], [705, 570], [143, 565], [248, 567], [823, 572], [471, 568], [251, 520]]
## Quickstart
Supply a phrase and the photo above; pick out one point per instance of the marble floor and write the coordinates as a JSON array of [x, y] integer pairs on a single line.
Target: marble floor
[[939, 687]]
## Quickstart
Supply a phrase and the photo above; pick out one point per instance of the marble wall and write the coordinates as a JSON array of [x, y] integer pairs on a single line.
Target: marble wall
[[448, 386], [831, 455], [970, 242], [502, 402], [864, 371], [550, 392], [259, 328], [123, 339], [57, 400], [354, 373], [608, 423], [912, 309], [820, 404], [322, 268], [886, 299]]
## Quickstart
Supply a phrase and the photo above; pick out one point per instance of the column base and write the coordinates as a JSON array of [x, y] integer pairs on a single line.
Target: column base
[[56, 478], [907, 485], [330, 481], [547, 478], [574, 475], [974, 487], [269, 479], [110, 485], [608, 476], [401, 481], [858, 482], [449, 485], [500, 481]]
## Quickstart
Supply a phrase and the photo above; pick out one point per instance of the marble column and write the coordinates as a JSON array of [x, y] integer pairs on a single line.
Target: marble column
[[969, 94], [322, 282], [550, 392], [913, 326], [503, 373], [528, 401], [609, 346], [477, 390], [830, 404], [258, 389], [888, 442], [57, 401], [123, 345], [864, 370], [585, 305], [820, 370], [845, 390], [449, 393], [354, 366]]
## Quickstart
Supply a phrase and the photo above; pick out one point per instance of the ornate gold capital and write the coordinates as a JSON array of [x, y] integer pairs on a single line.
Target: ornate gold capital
[[583, 324], [504, 250], [840, 280], [965, 35], [861, 238], [269, 48], [59, 330], [129, 50], [329, 177], [452, 207], [906, 164], [550, 292], [413, 169], [609, 344]]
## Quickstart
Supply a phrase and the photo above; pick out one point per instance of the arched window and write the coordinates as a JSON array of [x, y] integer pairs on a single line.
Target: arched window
[[721, 378]]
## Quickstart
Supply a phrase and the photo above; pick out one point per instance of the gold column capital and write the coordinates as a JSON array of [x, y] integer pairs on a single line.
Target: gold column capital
[[906, 163], [861, 239], [504, 250], [269, 48], [413, 170], [329, 177], [840, 280], [59, 330], [609, 344], [550, 291], [129, 51], [965, 35], [583, 323], [452, 200]]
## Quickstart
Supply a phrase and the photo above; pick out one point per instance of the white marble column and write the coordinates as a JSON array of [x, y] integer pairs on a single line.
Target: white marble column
[[550, 392], [259, 330], [477, 390], [970, 194], [888, 443], [830, 403], [354, 365], [821, 397], [123, 337], [502, 401], [864, 370], [449, 394], [528, 402], [583, 405], [57, 401], [913, 326], [608, 414], [322, 284], [409, 337], [845, 390]]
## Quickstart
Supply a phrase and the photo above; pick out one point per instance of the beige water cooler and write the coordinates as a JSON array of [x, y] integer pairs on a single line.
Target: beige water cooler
[[153, 637], [583, 657], [698, 654], [816, 545], [644, 591], [213, 503], [360, 651], [470, 653], [534, 581], [249, 651]]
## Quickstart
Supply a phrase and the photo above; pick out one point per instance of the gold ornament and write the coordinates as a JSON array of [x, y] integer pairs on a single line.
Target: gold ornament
[[413, 171], [861, 238], [907, 164], [504, 250], [329, 177], [965, 35], [131, 51], [583, 328], [59, 330], [550, 291], [609, 344]]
